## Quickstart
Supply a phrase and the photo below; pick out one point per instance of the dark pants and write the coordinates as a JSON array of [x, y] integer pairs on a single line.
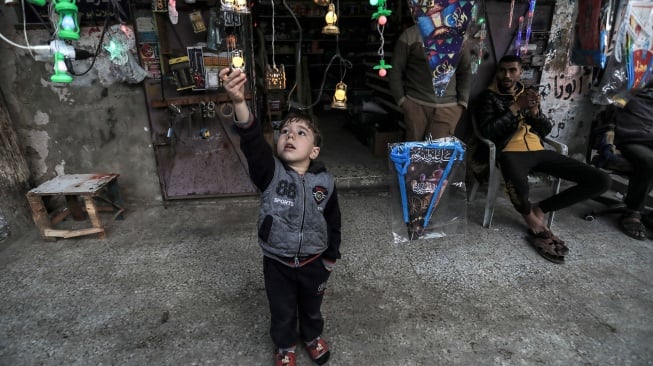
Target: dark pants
[[295, 293], [640, 180], [515, 166]]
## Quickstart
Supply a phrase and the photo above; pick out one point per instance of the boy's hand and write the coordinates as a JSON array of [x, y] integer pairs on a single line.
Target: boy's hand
[[234, 81], [329, 265]]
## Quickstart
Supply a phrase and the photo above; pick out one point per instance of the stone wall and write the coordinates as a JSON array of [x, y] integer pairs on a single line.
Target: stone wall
[[90, 125]]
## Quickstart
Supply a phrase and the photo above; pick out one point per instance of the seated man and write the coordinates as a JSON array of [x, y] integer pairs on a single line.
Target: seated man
[[633, 136], [509, 115]]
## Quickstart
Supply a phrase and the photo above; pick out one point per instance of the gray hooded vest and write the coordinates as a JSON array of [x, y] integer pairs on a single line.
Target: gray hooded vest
[[291, 220]]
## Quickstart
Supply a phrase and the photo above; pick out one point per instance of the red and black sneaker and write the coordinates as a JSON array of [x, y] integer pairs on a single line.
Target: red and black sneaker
[[318, 349], [284, 358]]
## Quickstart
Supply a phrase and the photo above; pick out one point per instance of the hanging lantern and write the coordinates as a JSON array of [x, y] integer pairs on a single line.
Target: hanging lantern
[[61, 74], [275, 78], [241, 7], [331, 19], [237, 61], [68, 27], [227, 5], [340, 96]]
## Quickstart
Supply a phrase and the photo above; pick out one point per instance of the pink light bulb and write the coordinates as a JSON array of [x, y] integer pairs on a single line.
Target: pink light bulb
[[383, 72]]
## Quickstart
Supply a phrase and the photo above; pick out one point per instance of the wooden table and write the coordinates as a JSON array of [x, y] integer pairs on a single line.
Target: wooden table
[[91, 188]]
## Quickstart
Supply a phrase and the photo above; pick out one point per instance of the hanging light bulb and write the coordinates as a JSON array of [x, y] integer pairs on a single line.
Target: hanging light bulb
[[331, 19], [61, 74], [340, 96], [68, 27]]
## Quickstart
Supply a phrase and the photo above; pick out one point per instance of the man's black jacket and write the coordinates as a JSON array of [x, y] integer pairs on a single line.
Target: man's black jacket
[[497, 123]]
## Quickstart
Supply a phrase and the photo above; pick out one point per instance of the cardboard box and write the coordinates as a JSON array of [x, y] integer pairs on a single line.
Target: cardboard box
[[383, 138]]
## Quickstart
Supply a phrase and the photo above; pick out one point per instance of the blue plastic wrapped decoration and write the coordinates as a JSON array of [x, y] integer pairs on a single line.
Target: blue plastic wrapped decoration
[[430, 179]]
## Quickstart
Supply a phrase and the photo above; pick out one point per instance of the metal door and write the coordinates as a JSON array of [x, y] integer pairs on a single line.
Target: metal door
[[197, 152]]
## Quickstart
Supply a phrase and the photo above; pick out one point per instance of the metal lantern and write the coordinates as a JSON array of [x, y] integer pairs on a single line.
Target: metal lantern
[[331, 19], [340, 96]]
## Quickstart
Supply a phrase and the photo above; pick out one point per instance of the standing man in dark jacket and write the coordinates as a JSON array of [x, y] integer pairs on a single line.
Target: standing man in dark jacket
[[298, 226], [510, 116], [411, 85]]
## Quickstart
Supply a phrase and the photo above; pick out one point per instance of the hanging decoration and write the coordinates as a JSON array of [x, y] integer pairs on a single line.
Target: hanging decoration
[[340, 96], [68, 26], [529, 26], [631, 64], [636, 43], [592, 32], [241, 7], [442, 24], [477, 44], [331, 19], [512, 13], [275, 77], [478, 59], [423, 169], [520, 29], [381, 17]]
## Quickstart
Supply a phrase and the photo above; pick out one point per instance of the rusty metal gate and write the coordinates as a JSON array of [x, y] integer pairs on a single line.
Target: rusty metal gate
[[197, 150]]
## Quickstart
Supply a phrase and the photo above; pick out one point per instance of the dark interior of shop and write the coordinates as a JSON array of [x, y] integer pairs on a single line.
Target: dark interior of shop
[[295, 62]]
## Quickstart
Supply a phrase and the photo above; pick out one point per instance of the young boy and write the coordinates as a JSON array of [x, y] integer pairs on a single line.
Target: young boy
[[298, 225]]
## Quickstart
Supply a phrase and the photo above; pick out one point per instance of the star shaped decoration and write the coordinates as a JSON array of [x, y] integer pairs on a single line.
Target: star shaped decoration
[[115, 49]]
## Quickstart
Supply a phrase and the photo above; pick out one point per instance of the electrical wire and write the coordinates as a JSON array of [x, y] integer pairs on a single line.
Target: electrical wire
[[12, 43], [22, 5], [274, 64], [344, 64], [97, 50]]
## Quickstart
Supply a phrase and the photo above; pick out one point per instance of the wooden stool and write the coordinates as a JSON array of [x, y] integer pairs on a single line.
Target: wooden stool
[[90, 187]]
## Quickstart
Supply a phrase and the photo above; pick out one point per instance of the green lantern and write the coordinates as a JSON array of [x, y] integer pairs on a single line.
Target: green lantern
[[68, 27], [61, 74]]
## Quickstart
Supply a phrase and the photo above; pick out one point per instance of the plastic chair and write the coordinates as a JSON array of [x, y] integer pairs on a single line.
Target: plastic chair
[[495, 176]]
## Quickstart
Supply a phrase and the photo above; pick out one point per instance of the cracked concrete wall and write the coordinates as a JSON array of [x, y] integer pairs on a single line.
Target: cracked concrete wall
[[90, 125], [568, 99]]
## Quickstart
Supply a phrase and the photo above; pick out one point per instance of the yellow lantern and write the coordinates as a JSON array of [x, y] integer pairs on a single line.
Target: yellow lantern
[[331, 19], [237, 61], [340, 96], [241, 7]]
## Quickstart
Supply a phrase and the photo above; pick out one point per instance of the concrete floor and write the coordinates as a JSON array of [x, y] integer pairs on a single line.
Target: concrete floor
[[183, 286]]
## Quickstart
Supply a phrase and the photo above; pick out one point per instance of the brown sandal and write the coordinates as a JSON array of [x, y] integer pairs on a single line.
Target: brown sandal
[[545, 246]]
